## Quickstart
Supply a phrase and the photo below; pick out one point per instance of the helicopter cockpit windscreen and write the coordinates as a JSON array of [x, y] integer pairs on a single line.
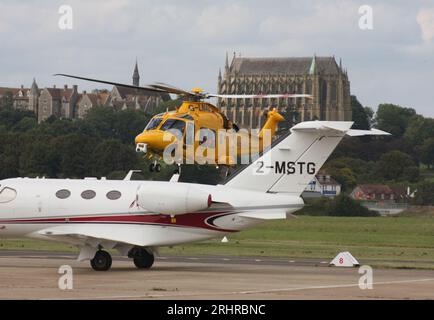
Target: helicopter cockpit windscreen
[[173, 124], [153, 124]]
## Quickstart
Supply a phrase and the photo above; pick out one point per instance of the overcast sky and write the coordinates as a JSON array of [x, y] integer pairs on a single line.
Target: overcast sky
[[184, 42]]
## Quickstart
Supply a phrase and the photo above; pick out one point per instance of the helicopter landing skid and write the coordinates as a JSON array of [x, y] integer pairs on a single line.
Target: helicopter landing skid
[[178, 169], [155, 166]]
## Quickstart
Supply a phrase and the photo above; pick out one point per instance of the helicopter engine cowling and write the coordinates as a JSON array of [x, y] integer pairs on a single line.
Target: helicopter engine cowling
[[172, 199]]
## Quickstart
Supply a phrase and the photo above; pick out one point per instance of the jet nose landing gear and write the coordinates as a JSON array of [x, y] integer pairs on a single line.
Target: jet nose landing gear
[[102, 261]]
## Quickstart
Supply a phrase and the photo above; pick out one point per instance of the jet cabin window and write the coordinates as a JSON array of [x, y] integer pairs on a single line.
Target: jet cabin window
[[63, 194], [7, 195], [113, 195], [88, 194], [153, 124]]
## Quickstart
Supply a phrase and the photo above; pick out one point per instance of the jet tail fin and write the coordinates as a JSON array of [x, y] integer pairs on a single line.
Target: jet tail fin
[[291, 164]]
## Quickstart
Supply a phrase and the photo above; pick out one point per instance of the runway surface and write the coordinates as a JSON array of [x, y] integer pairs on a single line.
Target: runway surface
[[35, 275]]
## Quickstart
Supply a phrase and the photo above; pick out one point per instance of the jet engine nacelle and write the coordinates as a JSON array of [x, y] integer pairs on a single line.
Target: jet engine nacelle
[[172, 198]]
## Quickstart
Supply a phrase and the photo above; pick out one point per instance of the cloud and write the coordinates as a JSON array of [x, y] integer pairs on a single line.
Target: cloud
[[184, 41], [425, 19]]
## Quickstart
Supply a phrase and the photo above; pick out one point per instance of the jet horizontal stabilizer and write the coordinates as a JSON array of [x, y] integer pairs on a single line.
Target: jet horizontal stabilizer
[[372, 132], [336, 126]]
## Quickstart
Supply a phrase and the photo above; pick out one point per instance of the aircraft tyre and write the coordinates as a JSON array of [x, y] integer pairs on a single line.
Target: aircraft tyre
[[151, 167], [158, 167], [102, 261], [143, 259]]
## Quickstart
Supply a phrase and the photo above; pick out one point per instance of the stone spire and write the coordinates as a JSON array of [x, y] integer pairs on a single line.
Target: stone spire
[[34, 88], [136, 76], [227, 62], [312, 69], [220, 75]]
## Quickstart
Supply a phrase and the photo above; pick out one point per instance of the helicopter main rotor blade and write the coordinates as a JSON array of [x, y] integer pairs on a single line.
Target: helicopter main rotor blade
[[147, 88], [259, 96], [171, 89]]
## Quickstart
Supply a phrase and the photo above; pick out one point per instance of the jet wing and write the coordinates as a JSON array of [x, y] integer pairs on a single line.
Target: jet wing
[[97, 234], [266, 214]]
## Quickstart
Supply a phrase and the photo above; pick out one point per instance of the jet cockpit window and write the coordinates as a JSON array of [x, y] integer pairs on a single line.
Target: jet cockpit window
[[173, 124], [153, 124], [7, 195]]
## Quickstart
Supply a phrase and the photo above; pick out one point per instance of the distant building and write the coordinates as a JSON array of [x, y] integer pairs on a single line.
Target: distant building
[[322, 185], [60, 103], [20, 96], [23, 98], [69, 103], [321, 77], [89, 100], [382, 198], [380, 192]]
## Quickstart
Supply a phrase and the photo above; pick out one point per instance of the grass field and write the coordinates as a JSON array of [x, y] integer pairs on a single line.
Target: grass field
[[387, 241]]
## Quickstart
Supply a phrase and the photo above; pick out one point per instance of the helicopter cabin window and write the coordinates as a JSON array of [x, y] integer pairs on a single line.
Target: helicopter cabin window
[[153, 124], [187, 116], [7, 195], [205, 108], [207, 138], [173, 124]]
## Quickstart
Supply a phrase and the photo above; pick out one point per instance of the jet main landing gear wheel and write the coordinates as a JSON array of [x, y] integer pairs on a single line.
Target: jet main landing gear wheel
[[102, 261], [142, 258]]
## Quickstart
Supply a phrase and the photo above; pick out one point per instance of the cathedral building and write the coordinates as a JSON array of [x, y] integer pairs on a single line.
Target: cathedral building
[[320, 77]]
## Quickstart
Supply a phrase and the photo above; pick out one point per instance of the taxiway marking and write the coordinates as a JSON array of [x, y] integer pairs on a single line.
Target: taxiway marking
[[255, 291]]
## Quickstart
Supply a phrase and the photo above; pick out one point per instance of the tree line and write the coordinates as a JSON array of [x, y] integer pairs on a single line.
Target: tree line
[[102, 144], [405, 158]]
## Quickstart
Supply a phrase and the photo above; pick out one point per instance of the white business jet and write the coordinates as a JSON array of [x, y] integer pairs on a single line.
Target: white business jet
[[137, 217]]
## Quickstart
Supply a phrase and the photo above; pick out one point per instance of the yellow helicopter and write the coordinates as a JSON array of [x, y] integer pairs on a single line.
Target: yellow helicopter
[[198, 132], [208, 127]]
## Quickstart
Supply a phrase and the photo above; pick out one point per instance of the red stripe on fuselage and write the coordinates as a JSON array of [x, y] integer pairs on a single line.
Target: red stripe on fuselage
[[194, 220]]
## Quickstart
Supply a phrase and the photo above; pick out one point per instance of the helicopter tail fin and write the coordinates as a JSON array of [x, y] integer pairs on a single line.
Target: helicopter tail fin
[[291, 164], [273, 118]]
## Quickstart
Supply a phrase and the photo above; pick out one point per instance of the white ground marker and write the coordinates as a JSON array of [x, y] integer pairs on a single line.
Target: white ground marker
[[344, 259]]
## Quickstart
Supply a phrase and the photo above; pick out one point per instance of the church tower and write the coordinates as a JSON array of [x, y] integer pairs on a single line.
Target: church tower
[[34, 97], [136, 76]]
